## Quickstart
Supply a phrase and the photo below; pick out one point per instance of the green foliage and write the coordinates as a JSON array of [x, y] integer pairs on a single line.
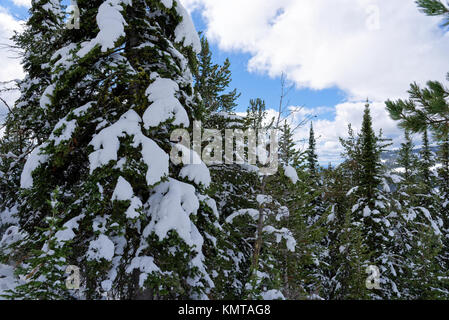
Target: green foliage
[[44, 269], [426, 108], [339, 220], [312, 158], [434, 8], [212, 82]]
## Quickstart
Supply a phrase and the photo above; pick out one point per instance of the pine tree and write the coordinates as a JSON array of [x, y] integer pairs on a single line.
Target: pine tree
[[138, 222], [303, 270], [45, 268], [212, 81], [314, 180], [262, 223], [427, 161], [350, 256], [426, 108], [417, 229], [233, 184], [28, 123], [312, 158], [443, 171], [371, 203], [435, 8], [288, 153], [38, 42], [442, 198]]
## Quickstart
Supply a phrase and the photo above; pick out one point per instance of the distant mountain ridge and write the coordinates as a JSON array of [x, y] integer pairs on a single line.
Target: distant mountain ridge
[[390, 157]]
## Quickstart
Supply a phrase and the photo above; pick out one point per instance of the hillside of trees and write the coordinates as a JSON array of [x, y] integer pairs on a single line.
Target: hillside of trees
[[88, 178]]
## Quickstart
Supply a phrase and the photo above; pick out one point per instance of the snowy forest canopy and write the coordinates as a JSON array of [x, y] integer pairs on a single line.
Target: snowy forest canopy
[[89, 186]]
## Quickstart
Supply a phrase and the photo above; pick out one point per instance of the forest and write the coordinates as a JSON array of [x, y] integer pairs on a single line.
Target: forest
[[103, 197]]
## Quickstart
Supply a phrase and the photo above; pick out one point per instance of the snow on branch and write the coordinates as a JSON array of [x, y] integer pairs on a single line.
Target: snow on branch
[[107, 144], [280, 234], [291, 173], [165, 105]]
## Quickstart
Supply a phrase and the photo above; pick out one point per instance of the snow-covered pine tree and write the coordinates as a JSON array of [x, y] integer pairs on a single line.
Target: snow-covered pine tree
[[312, 158], [443, 171], [136, 221], [427, 161], [347, 251], [27, 123], [303, 269], [371, 206], [417, 240], [349, 255], [442, 202], [260, 224], [288, 153], [38, 42], [48, 265], [231, 184]]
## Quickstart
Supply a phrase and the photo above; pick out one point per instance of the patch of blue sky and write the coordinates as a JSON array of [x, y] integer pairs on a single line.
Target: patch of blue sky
[[17, 11], [253, 85]]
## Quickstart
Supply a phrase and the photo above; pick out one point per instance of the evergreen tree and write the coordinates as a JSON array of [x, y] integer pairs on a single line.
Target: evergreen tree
[[312, 158], [442, 198], [417, 229], [28, 122], [45, 268], [314, 179], [435, 8], [426, 108], [288, 153], [443, 171], [137, 222], [371, 203], [212, 81], [350, 256], [427, 161], [304, 269]]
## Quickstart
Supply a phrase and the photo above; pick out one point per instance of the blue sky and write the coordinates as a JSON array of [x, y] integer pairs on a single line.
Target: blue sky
[[249, 84], [336, 54], [258, 85]]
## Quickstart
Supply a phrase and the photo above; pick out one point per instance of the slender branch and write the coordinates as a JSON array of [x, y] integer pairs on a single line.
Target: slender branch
[[6, 104]]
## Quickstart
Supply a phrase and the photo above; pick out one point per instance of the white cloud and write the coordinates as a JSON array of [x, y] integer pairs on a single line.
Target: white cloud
[[11, 68], [321, 43], [22, 3], [191, 5], [328, 132], [367, 48], [8, 24]]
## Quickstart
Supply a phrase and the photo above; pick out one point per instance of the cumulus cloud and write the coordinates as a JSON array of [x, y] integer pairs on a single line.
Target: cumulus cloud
[[328, 132], [367, 48], [22, 3], [11, 68], [364, 47]]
